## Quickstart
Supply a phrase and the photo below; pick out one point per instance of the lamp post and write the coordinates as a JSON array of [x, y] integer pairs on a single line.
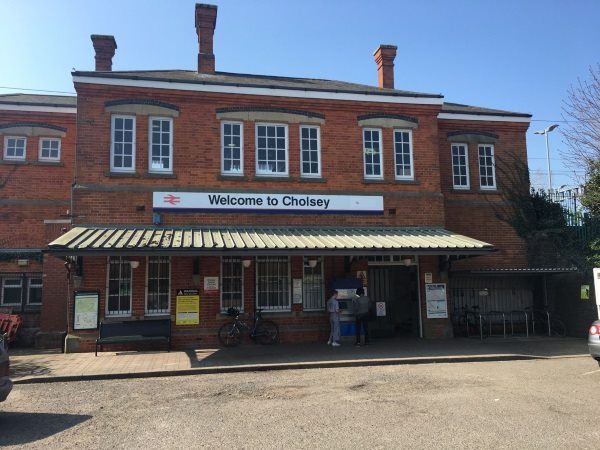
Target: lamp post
[[545, 132]]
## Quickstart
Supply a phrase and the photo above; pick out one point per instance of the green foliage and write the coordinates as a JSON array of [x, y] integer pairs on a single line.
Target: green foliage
[[591, 195], [540, 222]]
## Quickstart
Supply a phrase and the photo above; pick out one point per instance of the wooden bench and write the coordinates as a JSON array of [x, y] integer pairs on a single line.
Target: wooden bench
[[129, 331]]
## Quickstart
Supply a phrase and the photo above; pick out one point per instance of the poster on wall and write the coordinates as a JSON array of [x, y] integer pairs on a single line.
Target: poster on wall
[[86, 311], [187, 309], [211, 283], [297, 291], [435, 298], [362, 276]]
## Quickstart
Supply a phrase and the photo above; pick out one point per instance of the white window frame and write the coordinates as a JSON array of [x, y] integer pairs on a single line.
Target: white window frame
[[222, 308], [241, 171], [150, 168], [410, 150], [41, 145], [15, 158], [493, 186], [466, 146], [131, 169], [36, 285], [107, 313], [287, 150], [16, 277], [372, 177], [321, 260], [302, 173], [146, 310], [288, 308]]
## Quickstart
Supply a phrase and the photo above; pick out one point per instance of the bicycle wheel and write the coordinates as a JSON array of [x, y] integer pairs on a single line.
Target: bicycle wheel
[[229, 335], [266, 332]]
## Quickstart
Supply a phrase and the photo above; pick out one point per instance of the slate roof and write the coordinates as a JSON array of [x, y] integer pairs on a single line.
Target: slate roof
[[259, 81], [293, 83], [457, 108], [68, 101]]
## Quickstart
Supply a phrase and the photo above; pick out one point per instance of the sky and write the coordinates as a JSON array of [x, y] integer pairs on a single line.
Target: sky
[[519, 55]]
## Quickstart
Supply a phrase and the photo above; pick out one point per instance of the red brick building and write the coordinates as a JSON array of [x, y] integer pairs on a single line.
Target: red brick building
[[267, 192], [37, 134]]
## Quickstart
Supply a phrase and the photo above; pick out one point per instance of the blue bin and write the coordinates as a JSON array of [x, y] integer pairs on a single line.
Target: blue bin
[[347, 328]]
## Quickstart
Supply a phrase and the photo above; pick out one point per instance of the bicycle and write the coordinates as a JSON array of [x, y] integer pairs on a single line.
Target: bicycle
[[265, 332]]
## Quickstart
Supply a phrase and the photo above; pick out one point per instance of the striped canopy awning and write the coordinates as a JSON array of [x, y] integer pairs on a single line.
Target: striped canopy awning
[[215, 240]]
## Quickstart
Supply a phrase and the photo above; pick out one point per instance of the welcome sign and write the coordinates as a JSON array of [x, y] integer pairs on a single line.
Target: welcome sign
[[283, 203]]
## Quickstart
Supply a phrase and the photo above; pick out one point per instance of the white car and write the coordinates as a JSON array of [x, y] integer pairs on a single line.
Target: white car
[[5, 383]]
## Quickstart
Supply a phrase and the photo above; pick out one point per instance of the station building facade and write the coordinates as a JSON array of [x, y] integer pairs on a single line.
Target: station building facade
[[263, 192]]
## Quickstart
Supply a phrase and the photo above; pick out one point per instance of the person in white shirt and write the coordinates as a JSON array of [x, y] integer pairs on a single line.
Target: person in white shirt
[[333, 308]]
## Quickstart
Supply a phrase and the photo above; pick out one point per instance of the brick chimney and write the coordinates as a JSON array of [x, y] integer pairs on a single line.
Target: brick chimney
[[105, 47], [206, 20], [384, 58]]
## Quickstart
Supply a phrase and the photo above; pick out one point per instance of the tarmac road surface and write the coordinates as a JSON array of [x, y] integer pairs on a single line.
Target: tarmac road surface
[[516, 404]]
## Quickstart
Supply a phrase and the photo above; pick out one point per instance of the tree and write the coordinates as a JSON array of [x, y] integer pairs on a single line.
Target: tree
[[582, 111], [591, 190]]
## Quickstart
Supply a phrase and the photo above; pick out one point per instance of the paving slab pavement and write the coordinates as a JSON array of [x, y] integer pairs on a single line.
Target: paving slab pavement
[[30, 366]]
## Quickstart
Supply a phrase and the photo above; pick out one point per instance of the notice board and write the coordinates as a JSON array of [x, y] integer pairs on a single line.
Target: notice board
[[86, 310], [187, 309], [435, 297]]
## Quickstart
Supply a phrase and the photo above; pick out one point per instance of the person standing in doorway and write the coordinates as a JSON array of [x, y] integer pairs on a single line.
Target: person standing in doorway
[[333, 308], [361, 304]]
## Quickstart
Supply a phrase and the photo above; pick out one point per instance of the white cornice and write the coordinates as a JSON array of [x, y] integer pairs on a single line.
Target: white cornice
[[484, 118], [272, 92], [35, 108]]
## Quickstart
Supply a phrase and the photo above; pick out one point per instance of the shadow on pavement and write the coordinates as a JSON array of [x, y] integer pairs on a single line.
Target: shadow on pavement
[[22, 369], [249, 353], [18, 428]]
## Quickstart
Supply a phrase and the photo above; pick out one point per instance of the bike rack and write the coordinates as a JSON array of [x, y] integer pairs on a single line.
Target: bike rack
[[512, 327], [481, 326], [540, 312], [497, 314]]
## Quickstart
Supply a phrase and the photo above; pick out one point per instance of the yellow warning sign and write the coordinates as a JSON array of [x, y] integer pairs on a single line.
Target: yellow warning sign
[[187, 310]]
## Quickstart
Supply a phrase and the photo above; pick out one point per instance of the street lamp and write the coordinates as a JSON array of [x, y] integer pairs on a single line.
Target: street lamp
[[546, 132]]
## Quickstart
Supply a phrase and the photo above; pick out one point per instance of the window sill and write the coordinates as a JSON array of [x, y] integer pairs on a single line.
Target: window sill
[[279, 313], [313, 312], [15, 162], [160, 175], [164, 315], [117, 318], [374, 181], [48, 163], [272, 178], [227, 177], [407, 181], [122, 174], [312, 180], [33, 307], [477, 191]]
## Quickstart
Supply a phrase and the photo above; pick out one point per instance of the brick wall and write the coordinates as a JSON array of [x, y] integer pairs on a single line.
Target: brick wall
[[31, 192], [197, 163], [473, 212]]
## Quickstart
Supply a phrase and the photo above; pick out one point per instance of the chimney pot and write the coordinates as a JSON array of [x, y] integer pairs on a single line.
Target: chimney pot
[[105, 47], [206, 20], [384, 58]]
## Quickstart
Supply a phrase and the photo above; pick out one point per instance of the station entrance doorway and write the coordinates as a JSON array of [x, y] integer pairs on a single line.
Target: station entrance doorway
[[397, 286]]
